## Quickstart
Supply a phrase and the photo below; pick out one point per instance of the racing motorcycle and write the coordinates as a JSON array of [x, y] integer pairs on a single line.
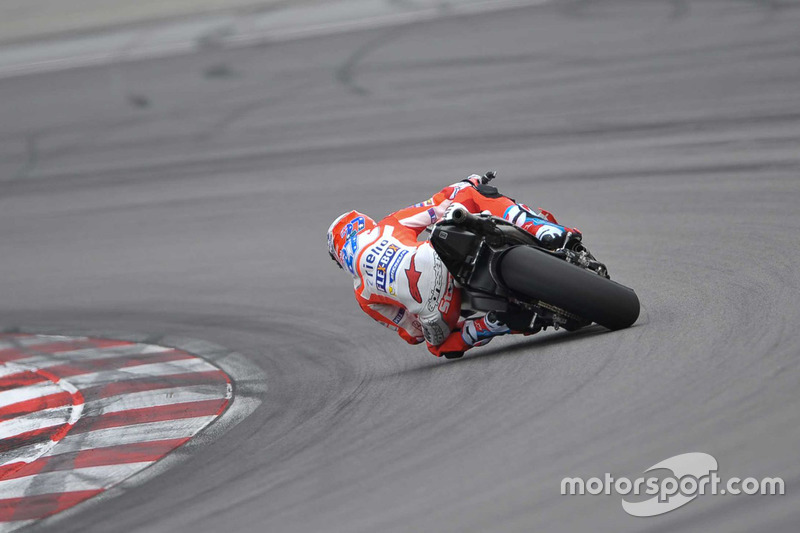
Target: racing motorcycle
[[502, 268]]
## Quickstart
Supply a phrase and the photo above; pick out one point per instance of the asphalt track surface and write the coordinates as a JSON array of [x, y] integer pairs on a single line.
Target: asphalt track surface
[[189, 197]]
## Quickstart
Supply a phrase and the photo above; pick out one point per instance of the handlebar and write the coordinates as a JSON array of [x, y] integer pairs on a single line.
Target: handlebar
[[482, 225]]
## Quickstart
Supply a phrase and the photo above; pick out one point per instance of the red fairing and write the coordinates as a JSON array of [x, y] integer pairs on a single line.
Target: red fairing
[[548, 216]]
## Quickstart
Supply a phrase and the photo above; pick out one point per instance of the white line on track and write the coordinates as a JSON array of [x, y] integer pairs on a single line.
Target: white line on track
[[35, 420], [34, 340], [150, 431], [9, 369], [26, 454], [84, 354], [39, 390], [183, 366], [141, 400], [76, 479]]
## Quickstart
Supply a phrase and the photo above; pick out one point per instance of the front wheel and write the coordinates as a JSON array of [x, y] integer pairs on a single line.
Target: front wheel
[[540, 276]]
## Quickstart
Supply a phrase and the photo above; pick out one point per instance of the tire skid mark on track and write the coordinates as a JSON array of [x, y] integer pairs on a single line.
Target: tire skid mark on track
[[346, 72]]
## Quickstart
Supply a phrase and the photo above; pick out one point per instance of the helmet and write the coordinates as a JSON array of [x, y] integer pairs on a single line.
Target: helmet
[[342, 237]]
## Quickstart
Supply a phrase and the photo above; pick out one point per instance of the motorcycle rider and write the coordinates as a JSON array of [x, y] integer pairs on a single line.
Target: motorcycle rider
[[403, 284]]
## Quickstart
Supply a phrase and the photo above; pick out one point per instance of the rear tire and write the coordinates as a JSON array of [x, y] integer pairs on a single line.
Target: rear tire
[[538, 275]]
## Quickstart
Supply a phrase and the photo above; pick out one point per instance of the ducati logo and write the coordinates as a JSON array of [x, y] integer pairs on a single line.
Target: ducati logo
[[413, 279]]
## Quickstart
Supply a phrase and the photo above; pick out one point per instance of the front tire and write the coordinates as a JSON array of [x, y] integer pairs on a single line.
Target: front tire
[[538, 275]]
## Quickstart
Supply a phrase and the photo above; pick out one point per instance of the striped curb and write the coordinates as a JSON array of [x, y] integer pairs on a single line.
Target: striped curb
[[81, 416]]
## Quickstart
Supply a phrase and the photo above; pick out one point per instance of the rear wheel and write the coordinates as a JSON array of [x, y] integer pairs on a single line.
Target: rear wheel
[[540, 276]]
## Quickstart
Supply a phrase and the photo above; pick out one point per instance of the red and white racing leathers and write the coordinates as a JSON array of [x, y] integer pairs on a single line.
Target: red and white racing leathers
[[403, 284]]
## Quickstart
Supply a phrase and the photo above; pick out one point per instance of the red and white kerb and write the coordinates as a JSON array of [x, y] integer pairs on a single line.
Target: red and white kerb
[[79, 415]]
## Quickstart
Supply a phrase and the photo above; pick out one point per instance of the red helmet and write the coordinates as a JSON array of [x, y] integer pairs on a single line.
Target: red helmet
[[342, 237]]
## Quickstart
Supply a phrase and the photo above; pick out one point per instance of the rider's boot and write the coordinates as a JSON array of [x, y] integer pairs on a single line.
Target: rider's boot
[[481, 330]]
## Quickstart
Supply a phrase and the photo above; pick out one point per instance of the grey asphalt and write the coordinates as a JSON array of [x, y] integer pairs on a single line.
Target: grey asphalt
[[190, 196]]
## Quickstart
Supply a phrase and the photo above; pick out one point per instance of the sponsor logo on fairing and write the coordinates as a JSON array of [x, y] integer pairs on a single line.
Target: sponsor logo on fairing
[[515, 215], [436, 291], [413, 276], [381, 273], [444, 305], [392, 327], [372, 255], [548, 232], [432, 214], [394, 265]]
